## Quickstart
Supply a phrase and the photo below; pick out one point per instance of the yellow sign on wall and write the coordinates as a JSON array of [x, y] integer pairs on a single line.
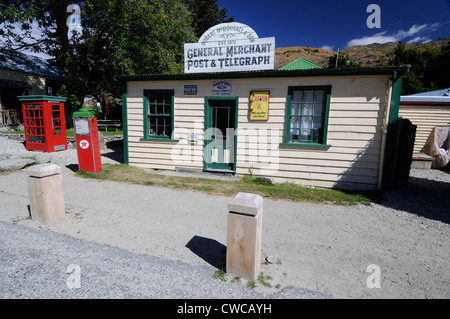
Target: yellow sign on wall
[[259, 106]]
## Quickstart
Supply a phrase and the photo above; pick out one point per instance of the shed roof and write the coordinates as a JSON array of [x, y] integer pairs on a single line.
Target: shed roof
[[432, 97], [301, 64], [21, 62]]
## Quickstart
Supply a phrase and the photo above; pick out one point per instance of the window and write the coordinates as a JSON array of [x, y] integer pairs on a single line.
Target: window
[[307, 115], [158, 114]]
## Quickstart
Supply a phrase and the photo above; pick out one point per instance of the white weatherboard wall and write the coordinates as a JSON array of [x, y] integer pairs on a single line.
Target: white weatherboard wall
[[426, 117], [355, 131]]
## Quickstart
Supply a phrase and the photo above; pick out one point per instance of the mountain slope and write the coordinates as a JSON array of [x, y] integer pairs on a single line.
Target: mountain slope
[[375, 54]]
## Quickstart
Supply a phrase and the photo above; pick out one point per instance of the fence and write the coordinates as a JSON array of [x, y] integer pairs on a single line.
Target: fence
[[9, 117]]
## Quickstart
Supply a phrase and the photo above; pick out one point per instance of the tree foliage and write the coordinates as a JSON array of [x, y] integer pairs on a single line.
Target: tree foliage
[[206, 14], [344, 62], [117, 37], [429, 67]]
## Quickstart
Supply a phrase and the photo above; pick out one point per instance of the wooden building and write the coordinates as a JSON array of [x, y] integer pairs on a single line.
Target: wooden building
[[231, 111], [325, 127], [426, 110]]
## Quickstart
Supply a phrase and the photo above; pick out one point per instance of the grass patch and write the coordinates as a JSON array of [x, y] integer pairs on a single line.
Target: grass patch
[[248, 184], [71, 132]]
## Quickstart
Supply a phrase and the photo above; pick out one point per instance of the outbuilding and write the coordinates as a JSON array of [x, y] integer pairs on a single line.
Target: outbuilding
[[314, 127]]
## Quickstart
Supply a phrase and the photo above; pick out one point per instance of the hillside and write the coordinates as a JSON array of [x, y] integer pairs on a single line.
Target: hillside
[[375, 54]]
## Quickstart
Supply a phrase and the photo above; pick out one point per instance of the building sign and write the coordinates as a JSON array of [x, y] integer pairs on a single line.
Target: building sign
[[190, 90], [222, 88], [229, 47], [259, 106]]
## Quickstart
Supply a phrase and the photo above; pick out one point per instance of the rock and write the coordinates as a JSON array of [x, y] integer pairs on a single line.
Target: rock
[[273, 259], [16, 163], [265, 179], [42, 158]]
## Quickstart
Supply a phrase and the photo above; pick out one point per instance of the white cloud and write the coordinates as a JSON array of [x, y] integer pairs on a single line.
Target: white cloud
[[401, 35], [327, 47], [420, 40]]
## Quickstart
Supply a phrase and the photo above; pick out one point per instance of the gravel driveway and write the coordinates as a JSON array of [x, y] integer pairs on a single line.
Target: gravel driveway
[[134, 241]]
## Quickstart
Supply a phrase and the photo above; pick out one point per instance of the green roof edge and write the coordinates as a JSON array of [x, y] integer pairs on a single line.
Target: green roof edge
[[394, 71]]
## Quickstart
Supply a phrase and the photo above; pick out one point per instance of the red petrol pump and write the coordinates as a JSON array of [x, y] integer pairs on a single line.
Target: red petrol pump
[[88, 146], [44, 122]]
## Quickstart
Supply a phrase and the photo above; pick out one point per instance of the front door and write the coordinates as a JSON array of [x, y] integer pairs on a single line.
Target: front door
[[220, 139]]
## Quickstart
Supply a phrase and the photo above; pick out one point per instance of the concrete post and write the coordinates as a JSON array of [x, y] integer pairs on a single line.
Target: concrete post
[[244, 235], [45, 189]]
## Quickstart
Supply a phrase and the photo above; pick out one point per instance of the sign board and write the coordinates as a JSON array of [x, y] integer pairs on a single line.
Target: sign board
[[222, 88], [259, 106], [190, 90], [229, 47], [81, 127]]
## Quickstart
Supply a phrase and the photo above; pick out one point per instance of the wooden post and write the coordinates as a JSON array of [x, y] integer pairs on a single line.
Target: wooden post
[[244, 235], [46, 194]]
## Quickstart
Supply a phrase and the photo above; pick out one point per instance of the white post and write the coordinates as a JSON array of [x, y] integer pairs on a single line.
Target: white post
[[46, 194], [244, 235]]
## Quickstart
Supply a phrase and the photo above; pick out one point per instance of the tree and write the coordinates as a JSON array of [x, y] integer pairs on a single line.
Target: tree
[[206, 14], [117, 37], [344, 62], [429, 67]]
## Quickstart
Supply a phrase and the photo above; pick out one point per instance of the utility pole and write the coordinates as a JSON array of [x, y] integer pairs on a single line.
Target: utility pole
[[337, 58]]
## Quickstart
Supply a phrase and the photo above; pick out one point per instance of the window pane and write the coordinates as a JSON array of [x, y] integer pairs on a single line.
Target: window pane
[[307, 115], [297, 96], [318, 109], [295, 122], [296, 109], [317, 122], [319, 96], [308, 96], [160, 117], [307, 109]]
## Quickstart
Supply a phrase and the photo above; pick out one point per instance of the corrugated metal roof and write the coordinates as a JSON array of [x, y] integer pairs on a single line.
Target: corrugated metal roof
[[443, 92], [21, 62], [301, 64]]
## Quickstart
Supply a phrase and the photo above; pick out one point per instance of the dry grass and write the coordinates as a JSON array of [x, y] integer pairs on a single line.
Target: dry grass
[[248, 184]]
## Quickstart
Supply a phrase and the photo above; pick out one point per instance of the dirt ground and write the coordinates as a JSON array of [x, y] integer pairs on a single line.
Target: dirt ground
[[399, 248]]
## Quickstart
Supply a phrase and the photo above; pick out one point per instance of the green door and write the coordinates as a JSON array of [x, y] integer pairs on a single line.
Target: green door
[[220, 138]]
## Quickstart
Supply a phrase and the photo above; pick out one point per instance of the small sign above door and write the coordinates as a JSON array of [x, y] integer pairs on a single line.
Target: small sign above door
[[222, 88]]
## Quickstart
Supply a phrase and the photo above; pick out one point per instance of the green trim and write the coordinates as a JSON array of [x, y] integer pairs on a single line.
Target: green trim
[[161, 139], [395, 99], [126, 156], [208, 124], [147, 136], [392, 71], [287, 139], [49, 98], [83, 113], [303, 145]]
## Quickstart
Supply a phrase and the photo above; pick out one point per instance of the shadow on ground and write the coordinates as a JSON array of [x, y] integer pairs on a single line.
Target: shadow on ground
[[210, 250], [423, 197]]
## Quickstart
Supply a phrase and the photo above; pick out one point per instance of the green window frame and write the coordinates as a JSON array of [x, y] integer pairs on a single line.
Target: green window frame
[[158, 114], [307, 116]]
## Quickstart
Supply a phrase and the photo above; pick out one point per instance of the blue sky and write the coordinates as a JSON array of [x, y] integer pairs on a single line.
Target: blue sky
[[339, 24]]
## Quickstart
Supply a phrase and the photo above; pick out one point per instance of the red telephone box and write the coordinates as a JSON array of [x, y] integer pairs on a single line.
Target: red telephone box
[[88, 146], [44, 123]]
